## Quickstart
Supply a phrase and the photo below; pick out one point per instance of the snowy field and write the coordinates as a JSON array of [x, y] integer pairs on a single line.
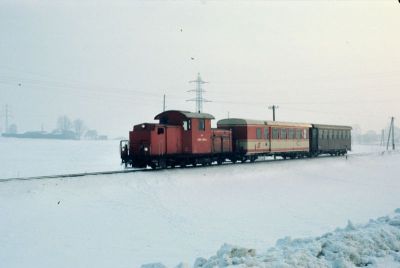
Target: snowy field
[[170, 216], [35, 157]]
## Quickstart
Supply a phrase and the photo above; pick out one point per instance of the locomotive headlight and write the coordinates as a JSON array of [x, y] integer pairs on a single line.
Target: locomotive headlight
[[143, 126], [145, 149]]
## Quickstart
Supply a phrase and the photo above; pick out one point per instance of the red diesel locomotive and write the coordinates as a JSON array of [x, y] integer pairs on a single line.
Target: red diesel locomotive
[[184, 138]]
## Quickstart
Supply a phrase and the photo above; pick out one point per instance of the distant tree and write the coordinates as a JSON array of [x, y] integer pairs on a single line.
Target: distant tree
[[79, 128], [64, 123], [370, 137], [12, 129], [91, 134]]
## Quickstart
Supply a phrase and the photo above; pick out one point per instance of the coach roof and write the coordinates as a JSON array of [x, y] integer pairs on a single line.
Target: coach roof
[[331, 126], [246, 122]]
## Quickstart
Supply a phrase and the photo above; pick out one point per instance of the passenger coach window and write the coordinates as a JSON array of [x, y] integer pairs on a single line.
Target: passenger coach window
[[275, 133], [258, 133], [291, 133], [160, 131], [266, 133], [298, 134], [283, 133], [202, 124]]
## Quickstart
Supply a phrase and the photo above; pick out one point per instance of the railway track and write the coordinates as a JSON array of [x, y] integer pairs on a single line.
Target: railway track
[[73, 175], [130, 170]]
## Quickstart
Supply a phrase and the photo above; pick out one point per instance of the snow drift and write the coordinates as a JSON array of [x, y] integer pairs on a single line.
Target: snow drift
[[352, 246]]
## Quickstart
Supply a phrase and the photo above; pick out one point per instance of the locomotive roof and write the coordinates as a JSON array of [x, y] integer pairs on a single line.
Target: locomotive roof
[[241, 121], [186, 114], [331, 126]]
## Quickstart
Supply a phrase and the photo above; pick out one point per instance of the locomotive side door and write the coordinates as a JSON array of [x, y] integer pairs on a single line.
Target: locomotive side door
[[161, 140]]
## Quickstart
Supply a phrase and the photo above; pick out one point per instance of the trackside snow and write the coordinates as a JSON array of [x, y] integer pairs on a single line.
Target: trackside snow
[[352, 246]]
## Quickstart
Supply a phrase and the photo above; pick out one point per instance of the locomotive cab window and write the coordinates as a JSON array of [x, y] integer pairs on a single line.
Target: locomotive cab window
[[186, 125], [160, 130], [202, 124]]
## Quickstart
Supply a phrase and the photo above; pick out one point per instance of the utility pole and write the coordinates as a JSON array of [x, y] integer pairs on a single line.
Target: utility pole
[[273, 107], [393, 146], [199, 93], [7, 116], [164, 103], [391, 133]]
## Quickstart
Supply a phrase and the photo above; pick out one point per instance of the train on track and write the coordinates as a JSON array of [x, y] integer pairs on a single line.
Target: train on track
[[184, 138]]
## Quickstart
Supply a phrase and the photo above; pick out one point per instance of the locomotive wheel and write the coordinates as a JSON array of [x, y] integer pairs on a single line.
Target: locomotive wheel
[[219, 162]]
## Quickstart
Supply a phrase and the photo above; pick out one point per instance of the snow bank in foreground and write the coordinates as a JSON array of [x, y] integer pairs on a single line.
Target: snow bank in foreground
[[353, 246]]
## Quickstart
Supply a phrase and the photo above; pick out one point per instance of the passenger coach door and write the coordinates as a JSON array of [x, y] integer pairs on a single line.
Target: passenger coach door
[[314, 139]]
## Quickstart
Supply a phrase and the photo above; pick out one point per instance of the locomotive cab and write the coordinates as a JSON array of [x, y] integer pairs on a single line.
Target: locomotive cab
[[177, 139]]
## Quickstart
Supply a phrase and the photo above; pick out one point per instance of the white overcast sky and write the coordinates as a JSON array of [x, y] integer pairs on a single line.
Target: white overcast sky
[[110, 62]]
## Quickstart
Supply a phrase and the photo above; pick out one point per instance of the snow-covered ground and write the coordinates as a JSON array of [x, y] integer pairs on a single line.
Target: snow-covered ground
[[36, 157], [169, 216]]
